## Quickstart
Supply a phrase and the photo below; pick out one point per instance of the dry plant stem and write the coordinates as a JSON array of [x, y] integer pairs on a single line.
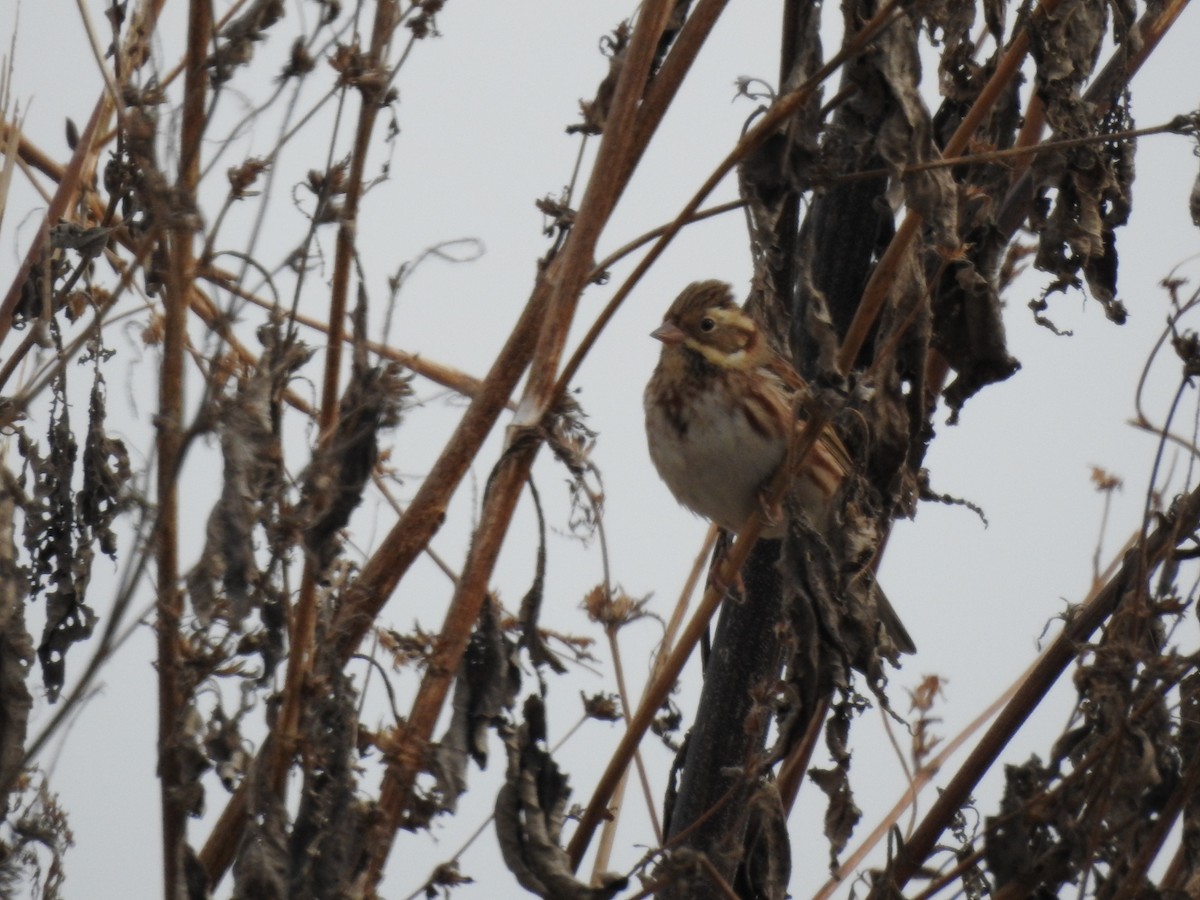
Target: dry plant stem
[[641, 240], [1150, 29], [566, 277], [791, 773], [98, 55], [662, 90], [438, 373], [32, 155], [171, 697], [715, 878], [34, 182], [623, 691], [699, 566], [937, 885], [301, 651], [64, 197], [723, 887], [1049, 666], [1021, 155], [608, 834]]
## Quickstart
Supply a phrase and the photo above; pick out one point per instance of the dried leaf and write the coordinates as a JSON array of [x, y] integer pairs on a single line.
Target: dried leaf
[[1076, 233], [767, 862], [235, 43], [60, 560], [327, 837], [484, 693], [531, 604], [261, 866], [226, 580], [333, 482], [842, 814], [530, 810]]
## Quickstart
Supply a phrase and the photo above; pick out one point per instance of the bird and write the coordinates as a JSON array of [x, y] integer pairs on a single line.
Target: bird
[[720, 414]]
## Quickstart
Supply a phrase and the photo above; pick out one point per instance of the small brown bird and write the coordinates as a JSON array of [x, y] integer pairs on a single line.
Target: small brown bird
[[719, 417]]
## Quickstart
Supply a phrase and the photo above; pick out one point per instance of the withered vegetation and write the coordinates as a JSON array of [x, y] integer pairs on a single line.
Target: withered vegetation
[[884, 233]]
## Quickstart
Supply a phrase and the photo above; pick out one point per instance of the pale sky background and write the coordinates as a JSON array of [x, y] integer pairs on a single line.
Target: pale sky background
[[482, 113]]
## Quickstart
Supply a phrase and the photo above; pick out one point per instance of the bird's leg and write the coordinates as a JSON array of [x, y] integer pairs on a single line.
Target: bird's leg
[[715, 577], [772, 510]]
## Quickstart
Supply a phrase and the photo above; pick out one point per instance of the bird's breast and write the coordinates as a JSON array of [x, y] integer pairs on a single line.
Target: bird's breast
[[714, 451]]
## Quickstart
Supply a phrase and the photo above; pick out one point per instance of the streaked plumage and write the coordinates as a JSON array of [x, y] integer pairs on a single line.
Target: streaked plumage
[[719, 415]]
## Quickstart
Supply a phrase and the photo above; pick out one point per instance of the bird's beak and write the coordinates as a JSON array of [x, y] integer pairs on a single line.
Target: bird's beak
[[668, 333]]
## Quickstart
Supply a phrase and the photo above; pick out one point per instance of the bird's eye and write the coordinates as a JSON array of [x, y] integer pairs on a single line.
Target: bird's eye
[[707, 324]]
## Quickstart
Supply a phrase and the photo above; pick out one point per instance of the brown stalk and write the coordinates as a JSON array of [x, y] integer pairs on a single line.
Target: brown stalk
[[662, 90], [791, 773], [304, 620], [446, 376], [33, 156], [566, 277], [64, 198], [1021, 154], [171, 692], [642, 239]]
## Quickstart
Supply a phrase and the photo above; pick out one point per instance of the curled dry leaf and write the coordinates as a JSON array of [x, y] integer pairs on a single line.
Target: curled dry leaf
[[334, 480], [595, 111], [235, 43], [226, 581], [57, 542], [842, 813], [530, 811], [531, 604], [261, 867], [484, 693], [767, 862], [327, 838], [1076, 231]]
